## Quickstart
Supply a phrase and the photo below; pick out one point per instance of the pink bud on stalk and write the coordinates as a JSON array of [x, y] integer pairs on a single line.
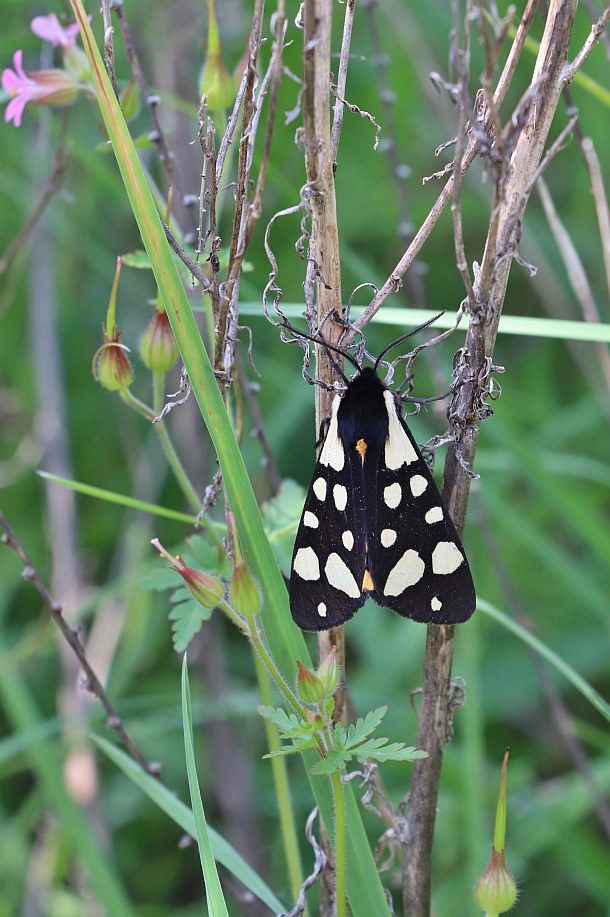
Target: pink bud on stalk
[[207, 590]]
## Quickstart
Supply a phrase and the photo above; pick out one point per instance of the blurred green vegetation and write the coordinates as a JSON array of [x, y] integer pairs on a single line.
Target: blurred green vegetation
[[538, 537]]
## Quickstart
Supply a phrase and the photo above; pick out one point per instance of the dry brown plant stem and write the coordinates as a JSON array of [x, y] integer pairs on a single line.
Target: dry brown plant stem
[[323, 268], [55, 609], [489, 290], [394, 281]]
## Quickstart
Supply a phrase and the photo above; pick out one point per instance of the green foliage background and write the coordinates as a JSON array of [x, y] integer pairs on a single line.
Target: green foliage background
[[537, 536]]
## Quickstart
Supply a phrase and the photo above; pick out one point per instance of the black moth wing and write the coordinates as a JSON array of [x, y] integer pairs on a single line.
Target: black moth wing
[[374, 522], [415, 557], [328, 561]]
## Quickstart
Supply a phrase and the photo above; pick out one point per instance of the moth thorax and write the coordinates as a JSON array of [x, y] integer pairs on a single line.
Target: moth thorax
[[361, 447]]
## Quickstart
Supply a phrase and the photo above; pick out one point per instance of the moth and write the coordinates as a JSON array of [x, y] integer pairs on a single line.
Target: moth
[[374, 523]]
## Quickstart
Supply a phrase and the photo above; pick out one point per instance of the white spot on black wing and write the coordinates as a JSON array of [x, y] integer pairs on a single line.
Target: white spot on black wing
[[418, 484], [332, 451], [436, 604], [446, 558], [340, 496], [319, 489], [388, 537], [340, 576], [310, 520], [322, 610], [408, 571], [306, 564], [392, 495], [348, 540], [434, 515], [398, 448]]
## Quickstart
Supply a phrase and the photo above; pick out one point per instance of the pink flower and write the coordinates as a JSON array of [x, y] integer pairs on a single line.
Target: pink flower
[[49, 29], [52, 87]]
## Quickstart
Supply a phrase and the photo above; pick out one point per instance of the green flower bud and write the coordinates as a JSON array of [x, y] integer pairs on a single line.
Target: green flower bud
[[309, 687], [244, 591], [157, 346], [328, 672], [496, 890], [215, 82], [111, 368]]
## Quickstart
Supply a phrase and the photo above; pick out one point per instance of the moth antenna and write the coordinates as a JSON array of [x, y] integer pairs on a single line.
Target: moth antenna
[[405, 337], [328, 347]]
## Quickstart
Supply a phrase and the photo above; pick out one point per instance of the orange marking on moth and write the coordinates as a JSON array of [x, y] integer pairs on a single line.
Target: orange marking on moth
[[361, 448], [367, 582]]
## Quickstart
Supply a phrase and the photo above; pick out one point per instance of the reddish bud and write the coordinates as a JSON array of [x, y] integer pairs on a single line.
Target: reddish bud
[[309, 687], [157, 345], [207, 590], [111, 368]]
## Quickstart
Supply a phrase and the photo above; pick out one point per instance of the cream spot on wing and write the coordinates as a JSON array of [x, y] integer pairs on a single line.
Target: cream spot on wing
[[340, 576], [408, 571], [310, 520], [392, 495], [348, 540], [398, 447], [332, 451], [319, 489], [388, 537], [436, 604], [418, 484], [306, 564], [446, 557], [340, 496], [322, 610], [434, 515]]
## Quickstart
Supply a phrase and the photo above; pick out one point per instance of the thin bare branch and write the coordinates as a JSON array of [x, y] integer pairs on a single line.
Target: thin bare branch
[[597, 30], [346, 41], [109, 45], [394, 281], [92, 682], [50, 188]]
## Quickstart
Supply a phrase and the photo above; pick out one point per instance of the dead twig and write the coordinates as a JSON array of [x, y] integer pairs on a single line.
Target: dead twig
[[91, 682]]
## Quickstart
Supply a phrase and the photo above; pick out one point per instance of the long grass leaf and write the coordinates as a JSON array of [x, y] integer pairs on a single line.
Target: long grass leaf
[[581, 685], [215, 898], [180, 813]]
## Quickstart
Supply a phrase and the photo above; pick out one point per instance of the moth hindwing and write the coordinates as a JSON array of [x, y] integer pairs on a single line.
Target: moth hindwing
[[374, 523]]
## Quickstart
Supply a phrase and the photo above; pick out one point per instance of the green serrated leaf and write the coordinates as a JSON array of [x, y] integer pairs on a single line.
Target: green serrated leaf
[[137, 259], [289, 725], [187, 620], [340, 736], [363, 727], [334, 761], [299, 745]]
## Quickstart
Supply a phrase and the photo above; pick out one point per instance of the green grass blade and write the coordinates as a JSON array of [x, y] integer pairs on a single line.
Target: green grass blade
[[110, 496], [581, 685], [215, 898], [528, 326], [285, 640], [180, 813], [43, 758]]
